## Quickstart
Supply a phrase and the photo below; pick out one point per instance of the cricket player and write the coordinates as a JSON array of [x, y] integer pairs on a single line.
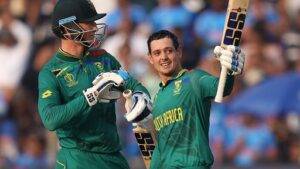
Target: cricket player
[[77, 90], [181, 108]]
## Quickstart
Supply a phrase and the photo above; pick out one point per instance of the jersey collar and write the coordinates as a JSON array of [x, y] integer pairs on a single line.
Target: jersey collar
[[66, 56], [180, 73]]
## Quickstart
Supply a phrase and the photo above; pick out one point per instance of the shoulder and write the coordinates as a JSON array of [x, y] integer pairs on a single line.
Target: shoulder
[[47, 75], [197, 72], [101, 53], [109, 59], [47, 66], [98, 53], [45, 71], [50, 66]]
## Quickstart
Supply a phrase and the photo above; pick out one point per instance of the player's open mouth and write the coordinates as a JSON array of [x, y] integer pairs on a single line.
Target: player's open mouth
[[165, 64]]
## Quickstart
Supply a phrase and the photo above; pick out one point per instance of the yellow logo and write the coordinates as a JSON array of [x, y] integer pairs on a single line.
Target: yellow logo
[[99, 66], [46, 94], [61, 71], [177, 87], [169, 117], [70, 80]]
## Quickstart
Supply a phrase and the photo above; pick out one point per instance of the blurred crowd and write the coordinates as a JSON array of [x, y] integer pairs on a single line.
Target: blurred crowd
[[271, 41]]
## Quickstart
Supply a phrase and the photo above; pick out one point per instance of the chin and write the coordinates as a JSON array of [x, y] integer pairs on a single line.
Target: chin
[[168, 72]]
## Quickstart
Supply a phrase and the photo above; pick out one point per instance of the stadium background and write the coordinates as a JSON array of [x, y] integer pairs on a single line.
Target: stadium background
[[258, 126]]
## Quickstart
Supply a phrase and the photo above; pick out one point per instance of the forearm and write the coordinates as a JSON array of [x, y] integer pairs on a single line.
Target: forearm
[[56, 116], [134, 86]]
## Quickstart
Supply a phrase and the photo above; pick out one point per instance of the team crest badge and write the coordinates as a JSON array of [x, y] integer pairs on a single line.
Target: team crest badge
[[177, 87], [70, 80], [99, 66]]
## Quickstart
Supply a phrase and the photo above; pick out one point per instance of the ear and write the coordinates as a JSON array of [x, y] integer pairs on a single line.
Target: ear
[[150, 58], [179, 51]]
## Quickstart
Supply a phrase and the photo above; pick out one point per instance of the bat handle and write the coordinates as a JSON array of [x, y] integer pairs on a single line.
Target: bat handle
[[221, 85], [127, 95]]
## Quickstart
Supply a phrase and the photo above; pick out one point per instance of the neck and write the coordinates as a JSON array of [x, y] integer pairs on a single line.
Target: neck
[[165, 78], [72, 48]]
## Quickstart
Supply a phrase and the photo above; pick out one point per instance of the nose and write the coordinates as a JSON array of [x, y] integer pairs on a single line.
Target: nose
[[164, 55]]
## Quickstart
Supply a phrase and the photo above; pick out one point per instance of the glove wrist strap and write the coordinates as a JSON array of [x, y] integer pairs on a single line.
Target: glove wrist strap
[[90, 97]]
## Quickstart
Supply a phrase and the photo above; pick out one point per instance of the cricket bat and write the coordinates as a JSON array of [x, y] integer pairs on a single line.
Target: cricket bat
[[232, 33], [144, 133]]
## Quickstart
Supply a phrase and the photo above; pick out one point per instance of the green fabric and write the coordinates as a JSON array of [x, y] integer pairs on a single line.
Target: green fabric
[[76, 159], [63, 108], [181, 113]]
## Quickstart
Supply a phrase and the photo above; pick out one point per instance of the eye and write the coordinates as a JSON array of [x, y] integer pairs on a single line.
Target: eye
[[156, 53], [169, 51]]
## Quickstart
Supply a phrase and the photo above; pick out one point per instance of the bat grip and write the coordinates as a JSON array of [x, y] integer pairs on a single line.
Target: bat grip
[[221, 85], [127, 95]]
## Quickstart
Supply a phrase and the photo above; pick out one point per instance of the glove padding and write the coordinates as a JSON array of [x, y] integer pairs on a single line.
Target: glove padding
[[140, 108], [230, 57], [102, 89], [113, 91], [110, 94]]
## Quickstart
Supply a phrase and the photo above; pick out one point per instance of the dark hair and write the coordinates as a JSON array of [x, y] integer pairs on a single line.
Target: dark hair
[[160, 35]]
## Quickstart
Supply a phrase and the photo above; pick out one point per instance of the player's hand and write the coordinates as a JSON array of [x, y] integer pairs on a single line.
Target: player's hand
[[138, 107], [102, 87], [112, 91], [230, 57]]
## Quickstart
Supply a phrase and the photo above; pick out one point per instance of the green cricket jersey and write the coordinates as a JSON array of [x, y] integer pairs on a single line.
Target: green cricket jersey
[[181, 113], [63, 108]]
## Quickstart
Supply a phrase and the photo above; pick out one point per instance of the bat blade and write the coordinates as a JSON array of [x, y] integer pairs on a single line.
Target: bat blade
[[235, 21], [146, 143], [232, 33]]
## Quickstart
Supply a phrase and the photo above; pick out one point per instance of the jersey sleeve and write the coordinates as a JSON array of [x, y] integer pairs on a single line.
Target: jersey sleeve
[[53, 113], [134, 86], [207, 84]]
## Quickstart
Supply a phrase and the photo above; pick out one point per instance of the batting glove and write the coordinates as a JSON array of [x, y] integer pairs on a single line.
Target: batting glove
[[113, 91], [102, 87], [230, 57], [140, 108]]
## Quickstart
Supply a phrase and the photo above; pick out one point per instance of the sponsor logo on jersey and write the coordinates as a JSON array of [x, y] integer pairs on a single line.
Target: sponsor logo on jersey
[[46, 94], [169, 117], [69, 78], [177, 87], [59, 72], [99, 66]]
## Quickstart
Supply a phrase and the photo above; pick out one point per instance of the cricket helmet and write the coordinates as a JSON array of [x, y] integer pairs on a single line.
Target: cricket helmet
[[67, 15]]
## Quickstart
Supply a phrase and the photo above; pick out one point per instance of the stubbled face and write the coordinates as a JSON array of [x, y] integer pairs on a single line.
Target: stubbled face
[[91, 34], [164, 57], [90, 29]]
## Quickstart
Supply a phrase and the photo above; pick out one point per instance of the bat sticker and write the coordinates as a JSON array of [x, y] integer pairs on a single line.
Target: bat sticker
[[235, 25]]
